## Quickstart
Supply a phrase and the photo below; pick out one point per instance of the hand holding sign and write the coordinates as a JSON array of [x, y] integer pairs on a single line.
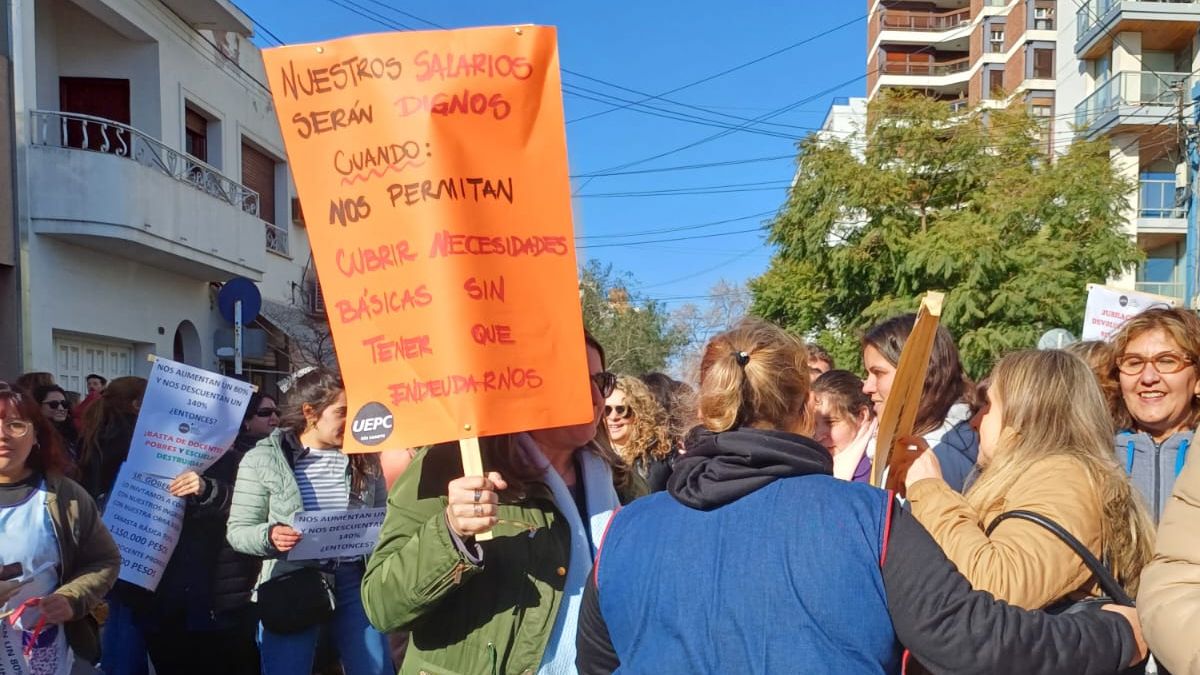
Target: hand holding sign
[[186, 484], [284, 538], [473, 501]]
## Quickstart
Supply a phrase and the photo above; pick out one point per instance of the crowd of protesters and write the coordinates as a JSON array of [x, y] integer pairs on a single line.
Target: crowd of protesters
[[728, 525]]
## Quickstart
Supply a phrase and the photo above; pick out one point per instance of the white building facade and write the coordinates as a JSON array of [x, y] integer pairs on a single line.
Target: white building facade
[[1128, 79], [149, 170]]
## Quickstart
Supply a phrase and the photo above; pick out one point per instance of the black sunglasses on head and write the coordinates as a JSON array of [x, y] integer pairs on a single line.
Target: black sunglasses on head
[[606, 382]]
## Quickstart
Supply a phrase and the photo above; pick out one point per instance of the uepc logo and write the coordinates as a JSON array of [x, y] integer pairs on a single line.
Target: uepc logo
[[372, 425]]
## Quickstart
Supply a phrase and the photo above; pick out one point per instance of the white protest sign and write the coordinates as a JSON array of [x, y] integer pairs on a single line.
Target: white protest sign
[[342, 533], [145, 520], [12, 661], [1108, 308], [189, 418]]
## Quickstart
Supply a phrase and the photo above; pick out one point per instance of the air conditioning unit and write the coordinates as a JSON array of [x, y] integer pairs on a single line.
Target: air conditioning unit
[[297, 213]]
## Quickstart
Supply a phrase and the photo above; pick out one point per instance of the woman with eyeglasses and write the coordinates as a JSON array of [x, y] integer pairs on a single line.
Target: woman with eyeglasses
[[1154, 362], [639, 431], [57, 411], [509, 604], [53, 545]]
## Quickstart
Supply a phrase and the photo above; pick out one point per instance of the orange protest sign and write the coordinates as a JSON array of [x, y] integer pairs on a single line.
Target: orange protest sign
[[433, 170]]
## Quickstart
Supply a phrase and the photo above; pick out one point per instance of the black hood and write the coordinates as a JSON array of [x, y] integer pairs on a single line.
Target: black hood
[[721, 468]]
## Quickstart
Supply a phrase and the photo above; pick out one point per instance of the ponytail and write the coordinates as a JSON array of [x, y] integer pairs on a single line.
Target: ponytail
[[753, 375]]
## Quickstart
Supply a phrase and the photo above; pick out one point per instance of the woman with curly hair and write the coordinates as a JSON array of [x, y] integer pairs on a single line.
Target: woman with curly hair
[[639, 430]]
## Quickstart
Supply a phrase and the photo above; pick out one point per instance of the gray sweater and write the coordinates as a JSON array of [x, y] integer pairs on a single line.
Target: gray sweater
[[1152, 466]]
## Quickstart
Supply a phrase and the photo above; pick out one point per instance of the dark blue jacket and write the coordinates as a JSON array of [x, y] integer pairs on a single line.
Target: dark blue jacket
[[760, 595], [957, 452]]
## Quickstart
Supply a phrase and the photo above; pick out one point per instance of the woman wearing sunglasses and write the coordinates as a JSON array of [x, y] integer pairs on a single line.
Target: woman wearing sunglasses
[[1154, 357], [57, 411], [639, 431], [54, 544], [507, 605]]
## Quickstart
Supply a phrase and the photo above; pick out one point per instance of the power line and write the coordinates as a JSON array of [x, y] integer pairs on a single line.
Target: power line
[[670, 239], [709, 78], [688, 167], [680, 228]]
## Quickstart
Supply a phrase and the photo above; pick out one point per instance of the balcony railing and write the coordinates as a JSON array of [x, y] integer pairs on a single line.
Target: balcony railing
[[96, 134], [277, 238], [930, 68], [1171, 289], [1157, 198], [924, 21], [1132, 88], [1095, 12]]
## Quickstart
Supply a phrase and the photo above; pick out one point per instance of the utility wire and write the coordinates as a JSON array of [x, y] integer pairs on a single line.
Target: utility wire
[[740, 66]]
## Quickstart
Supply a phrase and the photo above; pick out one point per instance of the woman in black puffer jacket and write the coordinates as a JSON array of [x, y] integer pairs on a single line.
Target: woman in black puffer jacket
[[200, 620]]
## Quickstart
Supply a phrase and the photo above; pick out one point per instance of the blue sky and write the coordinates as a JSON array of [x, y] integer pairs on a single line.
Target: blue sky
[[654, 47]]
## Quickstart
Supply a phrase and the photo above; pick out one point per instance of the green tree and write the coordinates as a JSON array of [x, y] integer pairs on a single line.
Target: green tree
[[931, 199], [637, 333]]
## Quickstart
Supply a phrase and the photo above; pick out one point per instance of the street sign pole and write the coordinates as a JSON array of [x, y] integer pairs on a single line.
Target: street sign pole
[[237, 338]]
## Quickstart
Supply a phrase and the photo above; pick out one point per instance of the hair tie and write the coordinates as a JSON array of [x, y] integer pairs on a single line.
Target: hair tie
[[742, 358]]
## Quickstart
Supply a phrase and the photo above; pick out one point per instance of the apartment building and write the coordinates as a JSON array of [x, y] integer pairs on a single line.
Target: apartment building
[[149, 170], [967, 52], [1133, 67]]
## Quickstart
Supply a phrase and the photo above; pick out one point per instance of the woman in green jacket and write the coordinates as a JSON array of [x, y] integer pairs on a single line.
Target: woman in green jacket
[[300, 467], [507, 605]]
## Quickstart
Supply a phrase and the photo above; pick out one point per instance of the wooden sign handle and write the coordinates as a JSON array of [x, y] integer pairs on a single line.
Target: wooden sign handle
[[472, 462], [900, 412]]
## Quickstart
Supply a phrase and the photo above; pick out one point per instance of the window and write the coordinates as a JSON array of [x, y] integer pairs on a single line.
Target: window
[[76, 358], [1041, 110], [996, 42], [195, 135], [1043, 63], [996, 83], [258, 174], [1043, 18]]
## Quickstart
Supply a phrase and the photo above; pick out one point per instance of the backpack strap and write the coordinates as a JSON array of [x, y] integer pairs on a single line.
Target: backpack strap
[[1181, 456], [1129, 454], [1108, 583]]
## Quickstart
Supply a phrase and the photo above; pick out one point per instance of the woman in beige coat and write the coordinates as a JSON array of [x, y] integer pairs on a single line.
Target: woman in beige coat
[[1045, 448], [1169, 601]]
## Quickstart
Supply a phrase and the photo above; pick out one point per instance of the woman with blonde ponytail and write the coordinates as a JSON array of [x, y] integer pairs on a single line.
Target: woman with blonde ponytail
[[775, 566], [1044, 447]]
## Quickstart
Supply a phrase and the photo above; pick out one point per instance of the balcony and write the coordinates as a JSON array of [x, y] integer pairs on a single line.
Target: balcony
[[927, 69], [1170, 289], [1165, 25], [1161, 205], [924, 21], [1132, 99], [111, 187]]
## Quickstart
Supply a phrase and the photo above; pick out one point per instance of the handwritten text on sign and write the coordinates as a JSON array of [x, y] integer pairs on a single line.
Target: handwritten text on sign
[[145, 520], [188, 419], [336, 534], [435, 167]]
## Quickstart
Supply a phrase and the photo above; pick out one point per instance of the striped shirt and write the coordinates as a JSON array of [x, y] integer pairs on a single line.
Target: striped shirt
[[321, 475]]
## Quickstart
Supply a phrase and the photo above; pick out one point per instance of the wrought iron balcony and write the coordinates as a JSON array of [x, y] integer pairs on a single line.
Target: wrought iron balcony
[[277, 239], [96, 134]]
